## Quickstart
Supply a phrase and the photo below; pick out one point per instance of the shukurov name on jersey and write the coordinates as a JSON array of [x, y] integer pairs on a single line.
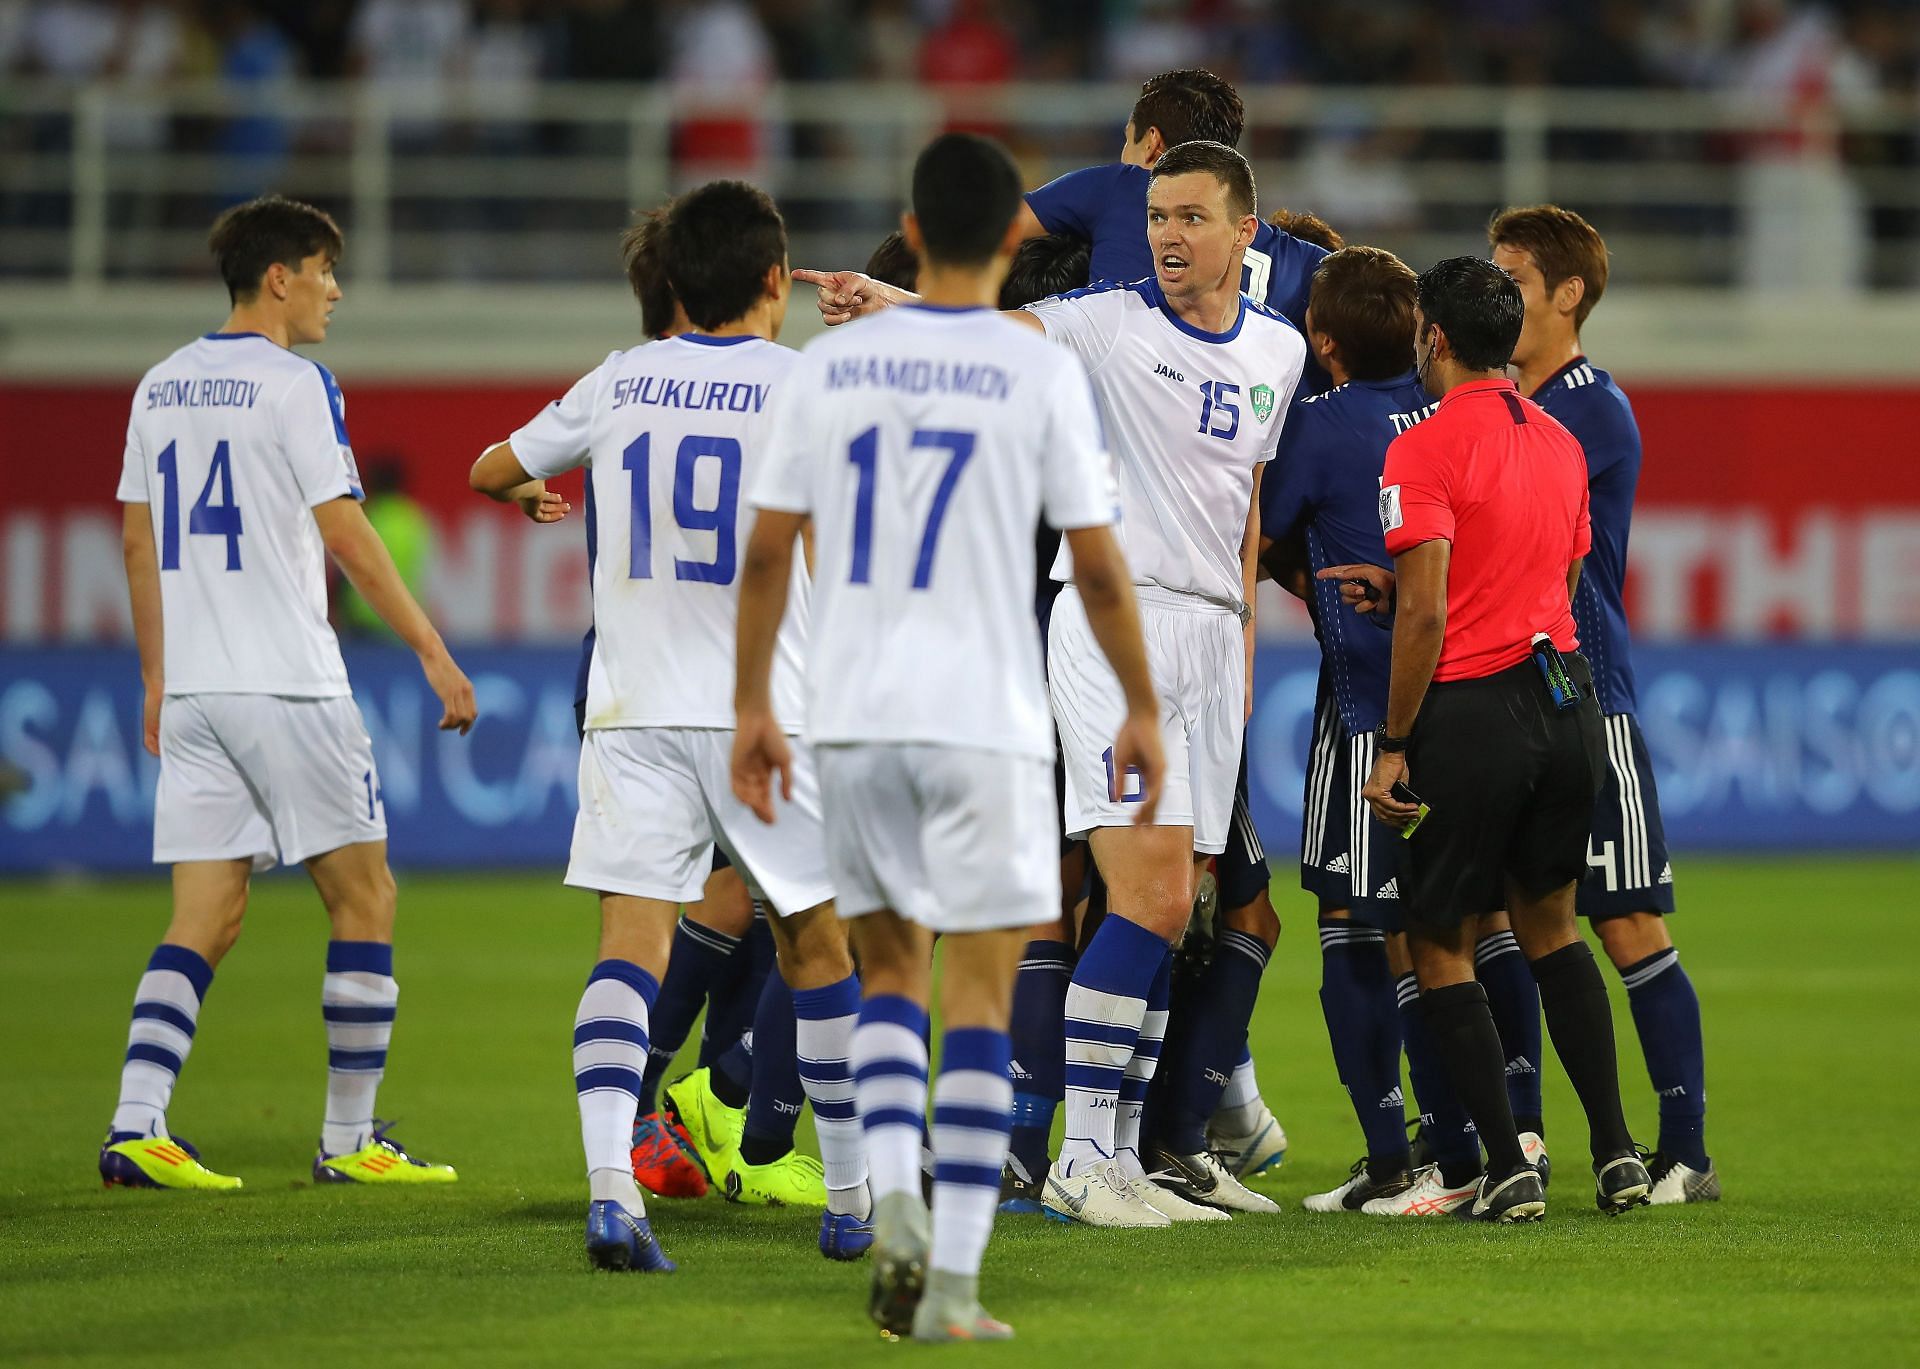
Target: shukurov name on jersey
[[914, 377], [202, 394], [665, 392]]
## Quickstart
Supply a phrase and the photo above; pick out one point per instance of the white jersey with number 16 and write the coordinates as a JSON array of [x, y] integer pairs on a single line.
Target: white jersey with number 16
[[232, 442], [926, 444]]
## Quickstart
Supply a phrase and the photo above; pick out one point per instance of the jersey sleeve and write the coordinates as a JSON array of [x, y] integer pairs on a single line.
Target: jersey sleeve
[[1286, 491], [313, 433], [1415, 502], [784, 484], [560, 436], [1078, 486], [133, 468], [1085, 322], [1074, 202], [1289, 388], [1583, 526]]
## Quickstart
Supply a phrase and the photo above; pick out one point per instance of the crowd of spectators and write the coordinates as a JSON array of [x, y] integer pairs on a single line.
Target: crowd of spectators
[[1616, 43]]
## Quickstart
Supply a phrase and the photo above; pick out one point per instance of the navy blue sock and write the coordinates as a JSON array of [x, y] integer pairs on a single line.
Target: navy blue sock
[[776, 1096], [1515, 1001], [1363, 1027], [735, 994], [700, 954], [1039, 1066], [1443, 1117], [1666, 1013], [1211, 1041]]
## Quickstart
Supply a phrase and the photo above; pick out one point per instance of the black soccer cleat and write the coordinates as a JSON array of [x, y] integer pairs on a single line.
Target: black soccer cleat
[[1018, 1192], [1517, 1198], [1621, 1182]]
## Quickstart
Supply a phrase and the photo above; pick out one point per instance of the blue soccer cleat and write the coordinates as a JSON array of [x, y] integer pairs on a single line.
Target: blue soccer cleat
[[616, 1239], [844, 1236]]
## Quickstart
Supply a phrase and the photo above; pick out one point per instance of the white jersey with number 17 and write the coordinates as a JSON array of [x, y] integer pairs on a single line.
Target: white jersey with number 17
[[926, 444], [1189, 414], [232, 442], [673, 434]]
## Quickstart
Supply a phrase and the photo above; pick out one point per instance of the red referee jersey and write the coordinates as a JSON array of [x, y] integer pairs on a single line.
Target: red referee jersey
[[1499, 478]]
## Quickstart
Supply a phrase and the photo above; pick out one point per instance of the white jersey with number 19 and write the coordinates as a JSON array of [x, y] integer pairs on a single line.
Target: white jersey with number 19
[[926, 443], [671, 432], [232, 442]]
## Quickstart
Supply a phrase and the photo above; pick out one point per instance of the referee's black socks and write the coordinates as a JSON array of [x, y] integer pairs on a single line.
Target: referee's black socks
[[1469, 1043], [1574, 998]]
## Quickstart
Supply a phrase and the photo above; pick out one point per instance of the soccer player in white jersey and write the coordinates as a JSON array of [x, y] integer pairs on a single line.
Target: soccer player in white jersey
[[238, 480], [1192, 380], [671, 432], [925, 445]]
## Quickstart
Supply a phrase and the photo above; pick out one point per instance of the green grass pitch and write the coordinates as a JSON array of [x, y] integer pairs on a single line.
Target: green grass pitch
[[1805, 969]]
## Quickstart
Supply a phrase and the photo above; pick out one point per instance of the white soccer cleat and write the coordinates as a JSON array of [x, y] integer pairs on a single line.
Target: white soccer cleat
[[1098, 1195], [1533, 1147], [1252, 1152], [1203, 1179], [1427, 1196], [1674, 1182], [1171, 1205], [1360, 1189]]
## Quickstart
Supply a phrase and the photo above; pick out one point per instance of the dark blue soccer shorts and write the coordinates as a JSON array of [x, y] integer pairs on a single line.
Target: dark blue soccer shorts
[[1627, 866], [1336, 826]]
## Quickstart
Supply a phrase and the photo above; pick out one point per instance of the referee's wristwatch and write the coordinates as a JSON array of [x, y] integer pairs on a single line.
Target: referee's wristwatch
[[1387, 744]]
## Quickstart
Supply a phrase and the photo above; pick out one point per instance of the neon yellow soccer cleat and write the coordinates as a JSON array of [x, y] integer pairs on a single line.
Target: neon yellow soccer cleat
[[713, 1126], [159, 1162], [794, 1180], [382, 1160]]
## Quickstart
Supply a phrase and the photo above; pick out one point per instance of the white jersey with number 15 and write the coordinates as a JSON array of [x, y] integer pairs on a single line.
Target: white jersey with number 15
[[927, 443]]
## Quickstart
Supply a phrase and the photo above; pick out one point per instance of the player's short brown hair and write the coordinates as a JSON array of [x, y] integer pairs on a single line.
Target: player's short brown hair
[[641, 249], [1189, 105], [1217, 160], [251, 237], [1307, 226], [1562, 244], [1363, 297]]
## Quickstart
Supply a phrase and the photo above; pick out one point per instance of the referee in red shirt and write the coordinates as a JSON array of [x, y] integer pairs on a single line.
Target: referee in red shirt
[[1491, 722]]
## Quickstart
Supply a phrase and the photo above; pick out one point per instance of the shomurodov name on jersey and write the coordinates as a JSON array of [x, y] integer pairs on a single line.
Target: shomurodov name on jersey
[[668, 393], [202, 394], [918, 377]]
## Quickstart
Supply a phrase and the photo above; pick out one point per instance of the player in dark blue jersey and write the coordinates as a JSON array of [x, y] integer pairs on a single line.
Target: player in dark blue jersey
[[1319, 513], [1560, 263]]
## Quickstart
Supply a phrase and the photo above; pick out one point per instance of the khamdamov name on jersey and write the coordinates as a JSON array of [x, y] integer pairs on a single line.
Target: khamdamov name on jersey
[[919, 377]]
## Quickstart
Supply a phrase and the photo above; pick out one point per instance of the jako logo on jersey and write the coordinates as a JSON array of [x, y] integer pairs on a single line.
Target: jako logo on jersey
[[1262, 397], [1160, 368]]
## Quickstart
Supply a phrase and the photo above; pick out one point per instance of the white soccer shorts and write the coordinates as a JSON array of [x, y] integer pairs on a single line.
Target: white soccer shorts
[[1196, 653], [655, 800], [263, 777], [953, 838]]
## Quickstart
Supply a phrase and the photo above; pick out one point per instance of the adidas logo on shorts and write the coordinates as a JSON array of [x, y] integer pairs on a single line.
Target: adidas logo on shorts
[[1666, 874], [1391, 889], [1338, 865]]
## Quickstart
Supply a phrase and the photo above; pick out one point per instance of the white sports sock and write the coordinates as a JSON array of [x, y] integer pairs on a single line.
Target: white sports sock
[[609, 1058], [889, 1059], [166, 1013], [972, 1120], [1101, 1031], [1240, 1101], [1133, 1096], [824, 1022], [358, 1000]]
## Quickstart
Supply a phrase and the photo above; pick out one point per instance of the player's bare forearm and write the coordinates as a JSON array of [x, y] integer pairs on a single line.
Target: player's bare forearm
[[1100, 574], [1420, 625], [1573, 576], [763, 603], [499, 475], [143, 590], [363, 558], [1284, 561]]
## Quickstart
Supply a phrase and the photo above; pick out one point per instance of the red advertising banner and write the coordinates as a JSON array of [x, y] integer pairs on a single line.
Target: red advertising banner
[[1764, 511]]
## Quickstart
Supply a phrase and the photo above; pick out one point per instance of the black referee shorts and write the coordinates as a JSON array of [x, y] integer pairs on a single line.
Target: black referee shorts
[[1511, 782]]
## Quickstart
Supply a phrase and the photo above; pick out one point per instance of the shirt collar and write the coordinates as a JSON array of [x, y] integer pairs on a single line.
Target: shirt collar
[[1578, 361], [1478, 387]]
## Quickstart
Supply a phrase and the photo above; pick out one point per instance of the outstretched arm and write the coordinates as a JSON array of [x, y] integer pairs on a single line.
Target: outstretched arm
[[848, 295]]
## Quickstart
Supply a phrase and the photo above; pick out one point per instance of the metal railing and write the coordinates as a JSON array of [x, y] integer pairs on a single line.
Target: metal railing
[[466, 184]]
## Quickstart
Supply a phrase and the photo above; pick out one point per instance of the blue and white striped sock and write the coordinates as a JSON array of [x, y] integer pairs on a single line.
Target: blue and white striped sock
[[166, 1010], [889, 1059], [609, 1060], [1105, 1004], [358, 999], [823, 1039], [1141, 1069], [972, 1119]]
